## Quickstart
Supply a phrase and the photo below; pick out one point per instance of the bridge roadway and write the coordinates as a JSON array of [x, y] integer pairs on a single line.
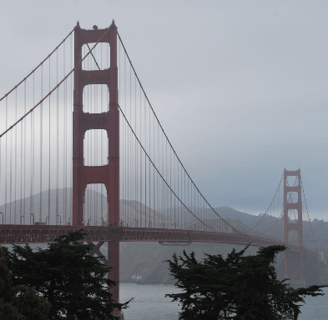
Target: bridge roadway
[[21, 234]]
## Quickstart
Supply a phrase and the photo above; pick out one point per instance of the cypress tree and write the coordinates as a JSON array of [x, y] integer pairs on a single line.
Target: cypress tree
[[68, 277], [238, 287]]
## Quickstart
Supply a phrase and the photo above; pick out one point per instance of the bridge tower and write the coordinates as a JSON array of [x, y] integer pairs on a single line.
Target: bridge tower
[[107, 174], [294, 261]]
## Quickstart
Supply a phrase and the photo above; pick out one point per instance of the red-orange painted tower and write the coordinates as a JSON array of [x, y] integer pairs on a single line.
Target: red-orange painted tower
[[294, 262], [107, 174]]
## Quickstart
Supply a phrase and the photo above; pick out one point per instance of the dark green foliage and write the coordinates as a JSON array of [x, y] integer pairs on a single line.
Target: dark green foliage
[[68, 276], [238, 287], [19, 302]]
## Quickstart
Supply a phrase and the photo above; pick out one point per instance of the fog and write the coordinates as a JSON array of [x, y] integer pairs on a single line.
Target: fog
[[239, 87]]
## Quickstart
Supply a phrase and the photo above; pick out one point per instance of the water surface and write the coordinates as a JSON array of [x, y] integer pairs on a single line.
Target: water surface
[[150, 303]]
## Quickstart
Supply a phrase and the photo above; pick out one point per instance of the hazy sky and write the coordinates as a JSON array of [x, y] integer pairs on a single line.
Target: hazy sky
[[239, 86]]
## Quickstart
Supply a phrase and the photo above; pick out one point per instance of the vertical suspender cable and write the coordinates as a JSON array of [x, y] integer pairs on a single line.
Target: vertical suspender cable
[[6, 161], [121, 135], [65, 159], [15, 168], [11, 178], [135, 154], [149, 171], [153, 169], [159, 164], [49, 145], [125, 146], [21, 173], [32, 160], [24, 156], [1, 179], [145, 135], [129, 150], [41, 140], [95, 142], [57, 143], [140, 159], [71, 112], [166, 189]]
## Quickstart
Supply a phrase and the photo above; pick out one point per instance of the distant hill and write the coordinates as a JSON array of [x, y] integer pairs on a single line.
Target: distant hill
[[58, 202]]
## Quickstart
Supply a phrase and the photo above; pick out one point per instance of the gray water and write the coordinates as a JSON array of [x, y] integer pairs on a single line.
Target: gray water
[[150, 303]]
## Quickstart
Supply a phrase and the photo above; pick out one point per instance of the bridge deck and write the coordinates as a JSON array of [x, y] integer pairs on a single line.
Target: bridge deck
[[20, 234]]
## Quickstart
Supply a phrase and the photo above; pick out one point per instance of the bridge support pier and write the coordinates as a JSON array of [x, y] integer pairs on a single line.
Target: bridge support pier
[[113, 262], [294, 261]]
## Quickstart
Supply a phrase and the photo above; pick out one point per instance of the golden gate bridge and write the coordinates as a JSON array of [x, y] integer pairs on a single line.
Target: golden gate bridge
[[82, 147]]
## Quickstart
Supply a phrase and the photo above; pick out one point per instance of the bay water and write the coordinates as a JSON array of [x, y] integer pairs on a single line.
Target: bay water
[[150, 303]]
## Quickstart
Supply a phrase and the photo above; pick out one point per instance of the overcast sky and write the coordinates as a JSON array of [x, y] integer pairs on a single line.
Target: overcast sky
[[239, 86]]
